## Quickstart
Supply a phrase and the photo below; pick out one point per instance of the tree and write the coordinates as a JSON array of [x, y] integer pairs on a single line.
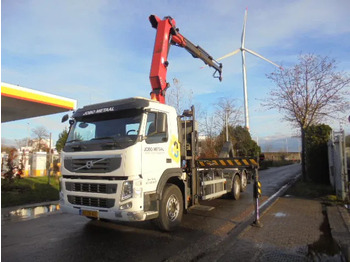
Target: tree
[[208, 142], [22, 142], [245, 145], [11, 165], [242, 142], [6, 149], [179, 97], [309, 92], [211, 126], [40, 133], [62, 138], [316, 138], [226, 110]]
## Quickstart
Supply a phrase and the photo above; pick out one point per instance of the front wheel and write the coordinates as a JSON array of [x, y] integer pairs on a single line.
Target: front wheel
[[170, 209]]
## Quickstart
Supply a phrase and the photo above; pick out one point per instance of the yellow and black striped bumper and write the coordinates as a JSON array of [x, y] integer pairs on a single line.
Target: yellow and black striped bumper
[[236, 162]]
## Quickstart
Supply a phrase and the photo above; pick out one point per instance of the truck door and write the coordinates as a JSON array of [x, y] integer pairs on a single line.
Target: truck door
[[155, 149]]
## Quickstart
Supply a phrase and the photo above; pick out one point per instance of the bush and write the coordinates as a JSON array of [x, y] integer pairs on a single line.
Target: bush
[[316, 138]]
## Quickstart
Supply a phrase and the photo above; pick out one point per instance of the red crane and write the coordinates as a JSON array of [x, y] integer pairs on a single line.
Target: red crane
[[168, 34]]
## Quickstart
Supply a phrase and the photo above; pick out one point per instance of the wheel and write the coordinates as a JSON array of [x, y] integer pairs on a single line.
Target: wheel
[[170, 208], [236, 187], [244, 181]]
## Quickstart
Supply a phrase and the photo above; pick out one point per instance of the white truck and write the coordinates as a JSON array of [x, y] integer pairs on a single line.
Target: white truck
[[135, 159]]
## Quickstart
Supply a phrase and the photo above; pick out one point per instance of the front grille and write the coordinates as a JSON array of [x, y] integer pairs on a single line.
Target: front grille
[[91, 187], [92, 165], [91, 201]]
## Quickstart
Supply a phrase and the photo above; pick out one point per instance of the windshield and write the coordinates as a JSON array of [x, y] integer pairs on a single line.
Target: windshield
[[121, 128]]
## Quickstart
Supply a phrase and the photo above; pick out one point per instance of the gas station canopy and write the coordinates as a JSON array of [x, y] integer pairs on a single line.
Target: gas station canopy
[[19, 103]]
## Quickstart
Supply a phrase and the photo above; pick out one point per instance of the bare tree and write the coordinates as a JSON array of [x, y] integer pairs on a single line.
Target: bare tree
[[179, 97], [309, 92], [208, 133], [207, 126], [212, 124], [21, 142], [226, 108], [40, 133]]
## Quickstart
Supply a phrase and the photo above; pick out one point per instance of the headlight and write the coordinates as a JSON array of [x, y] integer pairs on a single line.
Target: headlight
[[127, 190], [126, 206]]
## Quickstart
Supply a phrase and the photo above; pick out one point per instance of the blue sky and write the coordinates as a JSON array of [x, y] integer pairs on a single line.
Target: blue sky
[[95, 51]]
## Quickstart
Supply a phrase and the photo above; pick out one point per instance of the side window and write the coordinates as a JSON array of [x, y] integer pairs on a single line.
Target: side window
[[156, 128]]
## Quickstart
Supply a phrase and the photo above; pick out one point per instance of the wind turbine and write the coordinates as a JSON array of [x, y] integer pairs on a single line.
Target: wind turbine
[[243, 49]]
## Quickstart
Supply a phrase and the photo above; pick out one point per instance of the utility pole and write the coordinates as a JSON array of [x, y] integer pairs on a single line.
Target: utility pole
[[226, 120], [50, 161]]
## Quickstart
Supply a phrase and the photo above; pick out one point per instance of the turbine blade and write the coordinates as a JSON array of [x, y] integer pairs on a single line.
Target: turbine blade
[[225, 56], [229, 54], [244, 25], [260, 56]]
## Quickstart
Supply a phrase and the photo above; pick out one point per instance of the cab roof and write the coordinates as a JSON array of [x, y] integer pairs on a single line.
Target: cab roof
[[113, 106]]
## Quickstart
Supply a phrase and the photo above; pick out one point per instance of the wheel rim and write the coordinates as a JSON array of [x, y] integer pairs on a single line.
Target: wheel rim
[[173, 207], [236, 187], [244, 180]]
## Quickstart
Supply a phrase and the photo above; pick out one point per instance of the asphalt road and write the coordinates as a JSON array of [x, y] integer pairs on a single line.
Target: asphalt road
[[64, 237]]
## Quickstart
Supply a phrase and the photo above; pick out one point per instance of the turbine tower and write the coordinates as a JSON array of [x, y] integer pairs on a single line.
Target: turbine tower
[[243, 49]]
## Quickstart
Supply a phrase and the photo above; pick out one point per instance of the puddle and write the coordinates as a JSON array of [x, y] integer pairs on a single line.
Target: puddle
[[325, 247], [288, 196], [280, 214], [29, 212]]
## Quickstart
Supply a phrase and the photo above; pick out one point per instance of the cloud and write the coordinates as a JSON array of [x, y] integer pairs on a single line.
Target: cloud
[[95, 51]]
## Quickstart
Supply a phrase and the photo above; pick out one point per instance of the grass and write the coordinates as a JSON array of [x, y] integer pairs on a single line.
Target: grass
[[29, 190], [312, 190]]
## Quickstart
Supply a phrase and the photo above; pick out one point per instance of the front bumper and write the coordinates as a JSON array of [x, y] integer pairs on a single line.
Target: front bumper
[[110, 214]]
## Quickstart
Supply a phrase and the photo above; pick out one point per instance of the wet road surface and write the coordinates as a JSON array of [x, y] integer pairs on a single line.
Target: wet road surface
[[64, 237]]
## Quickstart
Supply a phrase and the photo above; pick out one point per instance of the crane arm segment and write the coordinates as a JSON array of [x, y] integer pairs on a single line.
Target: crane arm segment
[[168, 34]]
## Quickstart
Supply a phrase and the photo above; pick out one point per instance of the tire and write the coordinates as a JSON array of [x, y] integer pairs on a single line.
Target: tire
[[244, 181], [236, 187], [170, 208]]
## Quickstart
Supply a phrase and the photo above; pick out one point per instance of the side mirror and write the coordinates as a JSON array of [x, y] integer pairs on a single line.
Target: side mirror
[[65, 118], [71, 122]]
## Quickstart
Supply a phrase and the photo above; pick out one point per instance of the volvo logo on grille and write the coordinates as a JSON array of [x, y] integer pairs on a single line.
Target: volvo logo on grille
[[89, 164]]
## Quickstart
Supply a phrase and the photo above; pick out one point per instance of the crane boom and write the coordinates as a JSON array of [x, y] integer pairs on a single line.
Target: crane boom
[[168, 34]]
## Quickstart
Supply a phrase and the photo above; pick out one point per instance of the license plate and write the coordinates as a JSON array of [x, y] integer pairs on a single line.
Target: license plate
[[89, 213]]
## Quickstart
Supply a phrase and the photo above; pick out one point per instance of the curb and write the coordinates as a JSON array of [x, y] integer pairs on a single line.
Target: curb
[[339, 223]]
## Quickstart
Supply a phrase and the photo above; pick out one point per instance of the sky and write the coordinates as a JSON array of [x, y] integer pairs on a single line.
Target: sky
[[96, 51]]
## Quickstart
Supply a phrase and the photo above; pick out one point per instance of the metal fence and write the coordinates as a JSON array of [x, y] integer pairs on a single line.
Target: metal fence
[[338, 170]]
